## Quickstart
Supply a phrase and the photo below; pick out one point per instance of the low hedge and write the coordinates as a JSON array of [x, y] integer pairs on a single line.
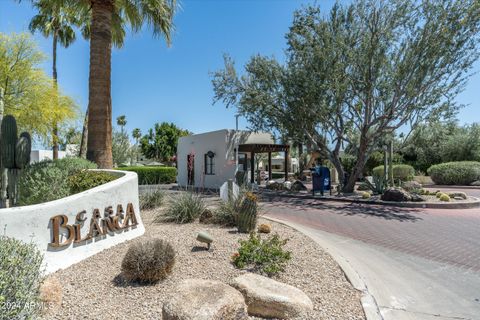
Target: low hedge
[[154, 175], [402, 172], [455, 173], [20, 274]]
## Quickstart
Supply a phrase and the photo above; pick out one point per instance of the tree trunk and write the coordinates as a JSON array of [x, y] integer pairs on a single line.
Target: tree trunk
[[82, 153], [359, 166], [55, 81], [99, 145]]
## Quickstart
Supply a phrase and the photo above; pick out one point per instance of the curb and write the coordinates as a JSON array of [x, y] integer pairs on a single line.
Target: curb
[[369, 304], [475, 203]]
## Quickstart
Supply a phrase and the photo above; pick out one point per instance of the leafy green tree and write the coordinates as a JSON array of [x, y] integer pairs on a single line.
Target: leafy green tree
[[56, 20], [29, 94], [438, 142], [369, 67], [161, 142], [122, 150]]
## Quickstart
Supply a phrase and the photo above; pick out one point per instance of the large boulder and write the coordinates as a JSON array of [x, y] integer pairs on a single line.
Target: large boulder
[[475, 183], [268, 298], [411, 185], [297, 185], [396, 195], [458, 195], [274, 185], [197, 299]]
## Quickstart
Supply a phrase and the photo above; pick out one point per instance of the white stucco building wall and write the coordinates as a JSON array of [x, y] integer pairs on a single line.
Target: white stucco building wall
[[223, 144]]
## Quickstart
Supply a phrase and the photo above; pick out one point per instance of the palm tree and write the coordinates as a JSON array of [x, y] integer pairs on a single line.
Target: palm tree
[[106, 27], [55, 19], [137, 134], [122, 122]]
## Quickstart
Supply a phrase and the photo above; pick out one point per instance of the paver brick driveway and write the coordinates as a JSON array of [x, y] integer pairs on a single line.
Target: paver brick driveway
[[447, 236]]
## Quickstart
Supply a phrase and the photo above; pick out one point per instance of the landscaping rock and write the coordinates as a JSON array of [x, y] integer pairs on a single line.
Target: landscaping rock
[[455, 195], [197, 299], [475, 183], [396, 195], [273, 185], [268, 298], [416, 198], [411, 185], [297, 185]]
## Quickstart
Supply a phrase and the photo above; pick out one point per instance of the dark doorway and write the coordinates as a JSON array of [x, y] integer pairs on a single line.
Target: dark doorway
[[191, 169]]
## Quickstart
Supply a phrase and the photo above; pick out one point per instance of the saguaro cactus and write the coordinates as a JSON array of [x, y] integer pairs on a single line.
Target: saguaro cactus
[[14, 156]]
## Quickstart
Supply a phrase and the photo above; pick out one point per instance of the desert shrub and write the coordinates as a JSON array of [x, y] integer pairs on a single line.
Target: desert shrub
[[148, 261], [363, 187], [227, 211], [20, 272], [264, 228], [185, 207], [444, 197], [48, 180], [402, 172], [206, 216], [154, 175], [455, 173], [151, 199], [72, 165], [86, 179], [266, 256]]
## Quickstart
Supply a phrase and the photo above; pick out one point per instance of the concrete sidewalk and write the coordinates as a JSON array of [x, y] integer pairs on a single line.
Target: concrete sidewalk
[[399, 286]]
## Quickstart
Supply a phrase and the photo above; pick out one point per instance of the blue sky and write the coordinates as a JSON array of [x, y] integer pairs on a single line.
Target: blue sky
[[152, 83]]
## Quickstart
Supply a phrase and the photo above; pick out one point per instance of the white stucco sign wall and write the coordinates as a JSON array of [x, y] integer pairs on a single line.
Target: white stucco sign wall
[[71, 229]]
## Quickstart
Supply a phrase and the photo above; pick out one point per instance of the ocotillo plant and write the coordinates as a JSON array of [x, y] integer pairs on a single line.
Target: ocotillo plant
[[14, 155]]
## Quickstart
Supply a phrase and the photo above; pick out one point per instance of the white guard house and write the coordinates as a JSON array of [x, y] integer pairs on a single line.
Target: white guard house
[[209, 159]]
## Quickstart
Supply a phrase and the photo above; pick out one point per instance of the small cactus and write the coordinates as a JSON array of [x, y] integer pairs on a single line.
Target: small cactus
[[445, 197], [247, 217], [264, 228]]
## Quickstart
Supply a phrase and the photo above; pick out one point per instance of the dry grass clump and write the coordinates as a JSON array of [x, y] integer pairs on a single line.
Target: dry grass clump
[[51, 293], [148, 261]]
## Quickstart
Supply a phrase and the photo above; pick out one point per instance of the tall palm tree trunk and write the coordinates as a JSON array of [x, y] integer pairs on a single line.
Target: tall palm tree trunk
[[55, 84], [99, 145], [83, 142]]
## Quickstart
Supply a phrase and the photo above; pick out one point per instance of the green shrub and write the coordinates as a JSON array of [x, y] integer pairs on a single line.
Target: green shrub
[[148, 261], [455, 173], [402, 172], [151, 199], [72, 165], [85, 179], [48, 180], [154, 175], [185, 207], [265, 256], [20, 272]]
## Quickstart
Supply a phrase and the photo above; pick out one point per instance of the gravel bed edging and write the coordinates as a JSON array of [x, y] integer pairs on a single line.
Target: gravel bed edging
[[473, 203], [369, 304], [89, 290]]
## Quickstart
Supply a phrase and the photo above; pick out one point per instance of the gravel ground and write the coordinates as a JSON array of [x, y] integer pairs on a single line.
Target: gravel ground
[[91, 289]]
